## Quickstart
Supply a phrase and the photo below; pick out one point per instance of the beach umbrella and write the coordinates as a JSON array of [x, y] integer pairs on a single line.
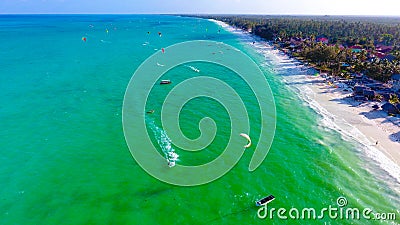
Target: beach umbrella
[[369, 94]]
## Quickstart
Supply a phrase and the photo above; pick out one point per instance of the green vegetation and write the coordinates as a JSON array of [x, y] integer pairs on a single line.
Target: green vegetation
[[339, 30], [341, 45], [394, 99]]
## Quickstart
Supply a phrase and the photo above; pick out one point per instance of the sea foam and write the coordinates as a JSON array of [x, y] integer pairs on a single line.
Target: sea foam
[[293, 74]]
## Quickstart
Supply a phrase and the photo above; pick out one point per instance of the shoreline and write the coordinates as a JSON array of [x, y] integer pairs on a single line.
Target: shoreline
[[373, 129], [379, 128]]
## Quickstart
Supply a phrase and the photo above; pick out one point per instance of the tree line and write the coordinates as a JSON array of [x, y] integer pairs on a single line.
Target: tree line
[[342, 33]]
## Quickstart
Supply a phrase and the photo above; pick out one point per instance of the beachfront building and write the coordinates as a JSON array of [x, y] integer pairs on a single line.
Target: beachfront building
[[383, 48], [323, 39], [356, 48], [379, 55]]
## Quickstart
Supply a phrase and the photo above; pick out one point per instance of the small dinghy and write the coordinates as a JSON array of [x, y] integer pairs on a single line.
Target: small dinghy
[[265, 200]]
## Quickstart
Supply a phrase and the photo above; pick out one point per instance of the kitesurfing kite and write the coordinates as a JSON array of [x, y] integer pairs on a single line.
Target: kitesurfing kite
[[163, 50], [248, 139]]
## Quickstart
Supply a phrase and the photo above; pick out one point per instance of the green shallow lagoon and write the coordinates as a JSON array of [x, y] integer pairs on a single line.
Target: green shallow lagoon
[[64, 159]]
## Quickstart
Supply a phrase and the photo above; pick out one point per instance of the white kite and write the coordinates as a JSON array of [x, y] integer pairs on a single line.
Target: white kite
[[248, 139]]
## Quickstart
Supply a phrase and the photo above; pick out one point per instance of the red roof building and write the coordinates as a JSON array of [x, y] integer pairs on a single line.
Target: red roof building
[[384, 48], [323, 40]]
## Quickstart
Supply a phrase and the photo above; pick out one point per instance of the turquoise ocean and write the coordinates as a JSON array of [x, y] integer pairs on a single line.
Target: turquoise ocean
[[64, 159]]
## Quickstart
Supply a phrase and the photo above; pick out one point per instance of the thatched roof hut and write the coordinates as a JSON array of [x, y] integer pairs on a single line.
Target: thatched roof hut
[[369, 94], [390, 108], [359, 90]]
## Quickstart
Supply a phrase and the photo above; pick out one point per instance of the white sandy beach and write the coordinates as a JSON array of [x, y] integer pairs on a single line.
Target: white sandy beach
[[376, 125], [351, 118]]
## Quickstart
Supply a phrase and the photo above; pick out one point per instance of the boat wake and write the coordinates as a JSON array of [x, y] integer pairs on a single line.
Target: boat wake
[[105, 42], [294, 77], [193, 68], [165, 143], [293, 74]]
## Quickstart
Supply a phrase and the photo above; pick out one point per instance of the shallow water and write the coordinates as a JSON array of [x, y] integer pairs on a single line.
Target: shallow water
[[64, 159]]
